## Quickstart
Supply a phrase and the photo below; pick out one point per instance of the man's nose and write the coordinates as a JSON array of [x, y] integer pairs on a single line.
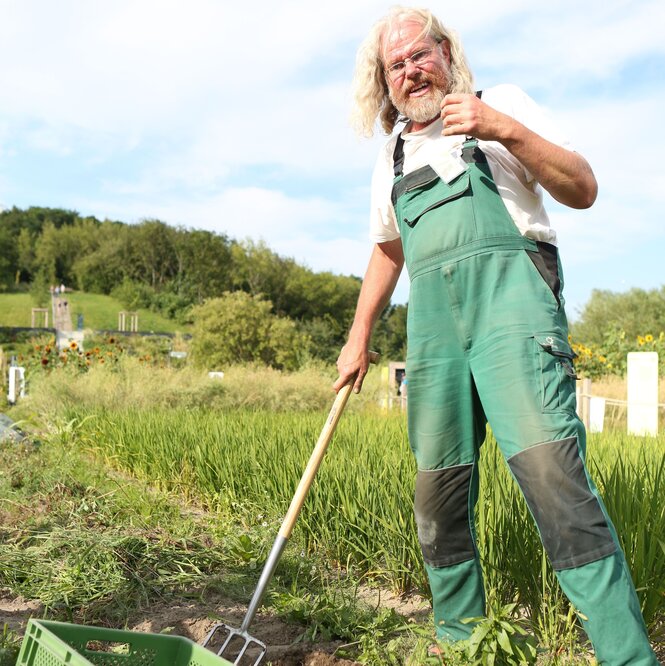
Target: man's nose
[[410, 69]]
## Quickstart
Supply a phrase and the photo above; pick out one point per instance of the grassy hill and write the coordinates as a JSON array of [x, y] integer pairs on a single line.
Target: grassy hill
[[99, 313]]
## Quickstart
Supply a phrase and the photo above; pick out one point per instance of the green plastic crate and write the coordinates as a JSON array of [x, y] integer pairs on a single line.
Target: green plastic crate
[[48, 643]]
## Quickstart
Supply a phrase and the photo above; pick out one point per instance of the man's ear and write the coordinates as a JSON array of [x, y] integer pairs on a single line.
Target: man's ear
[[445, 49]]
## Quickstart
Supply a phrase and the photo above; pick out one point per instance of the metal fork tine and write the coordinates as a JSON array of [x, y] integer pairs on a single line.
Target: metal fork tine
[[241, 654], [250, 641], [231, 634], [226, 643]]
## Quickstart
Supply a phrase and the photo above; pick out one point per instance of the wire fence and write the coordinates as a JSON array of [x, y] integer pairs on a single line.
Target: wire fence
[[599, 412]]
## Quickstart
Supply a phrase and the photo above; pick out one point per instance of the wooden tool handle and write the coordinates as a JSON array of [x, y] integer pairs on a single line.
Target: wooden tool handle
[[317, 455]]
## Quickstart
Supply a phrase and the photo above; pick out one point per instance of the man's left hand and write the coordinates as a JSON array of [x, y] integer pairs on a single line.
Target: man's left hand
[[467, 114]]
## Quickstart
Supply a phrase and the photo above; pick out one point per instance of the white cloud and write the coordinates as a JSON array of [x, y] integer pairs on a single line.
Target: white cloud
[[155, 63], [550, 46], [346, 256], [239, 212], [619, 139]]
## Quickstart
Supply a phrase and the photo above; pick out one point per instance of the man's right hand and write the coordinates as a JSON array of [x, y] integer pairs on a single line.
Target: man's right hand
[[352, 366], [382, 274]]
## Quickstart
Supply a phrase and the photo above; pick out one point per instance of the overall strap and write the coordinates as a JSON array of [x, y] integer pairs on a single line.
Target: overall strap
[[398, 157]]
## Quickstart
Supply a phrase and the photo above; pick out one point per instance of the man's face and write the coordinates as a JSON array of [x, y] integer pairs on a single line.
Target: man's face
[[416, 90]]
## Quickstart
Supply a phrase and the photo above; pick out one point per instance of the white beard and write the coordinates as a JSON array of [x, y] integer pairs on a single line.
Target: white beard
[[421, 109]]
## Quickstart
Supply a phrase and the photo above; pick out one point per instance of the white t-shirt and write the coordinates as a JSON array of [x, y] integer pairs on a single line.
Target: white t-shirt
[[521, 194]]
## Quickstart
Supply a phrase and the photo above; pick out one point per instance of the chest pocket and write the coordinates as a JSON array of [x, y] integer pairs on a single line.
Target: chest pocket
[[434, 214], [422, 198]]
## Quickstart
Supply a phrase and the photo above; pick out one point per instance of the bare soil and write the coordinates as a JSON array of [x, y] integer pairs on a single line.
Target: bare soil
[[194, 620]]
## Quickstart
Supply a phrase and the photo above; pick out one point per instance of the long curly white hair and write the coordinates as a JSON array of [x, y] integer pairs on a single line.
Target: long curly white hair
[[370, 90]]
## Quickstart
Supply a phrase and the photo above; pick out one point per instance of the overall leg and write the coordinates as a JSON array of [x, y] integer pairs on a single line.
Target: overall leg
[[524, 377], [446, 429]]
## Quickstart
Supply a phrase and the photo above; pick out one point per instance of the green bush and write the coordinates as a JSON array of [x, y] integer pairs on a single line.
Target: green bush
[[239, 328]]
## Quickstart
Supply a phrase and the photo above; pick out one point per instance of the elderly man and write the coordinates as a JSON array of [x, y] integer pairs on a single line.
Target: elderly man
[[457, 196]]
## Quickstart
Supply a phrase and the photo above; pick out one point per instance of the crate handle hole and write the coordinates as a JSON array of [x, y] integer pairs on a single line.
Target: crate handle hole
[[115, 647]]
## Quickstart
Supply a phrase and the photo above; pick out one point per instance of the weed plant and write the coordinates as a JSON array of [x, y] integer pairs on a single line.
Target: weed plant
[[9, 646], [634, 487], [89, 547]]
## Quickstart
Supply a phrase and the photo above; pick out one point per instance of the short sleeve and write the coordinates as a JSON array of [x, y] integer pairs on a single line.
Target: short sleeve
[[382, 220]]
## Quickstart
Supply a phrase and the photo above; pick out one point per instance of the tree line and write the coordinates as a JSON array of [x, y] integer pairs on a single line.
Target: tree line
[[176, 271], [636, 312], [290, 312]]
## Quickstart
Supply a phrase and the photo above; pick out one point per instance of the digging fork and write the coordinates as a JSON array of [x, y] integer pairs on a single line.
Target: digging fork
[[233, 635]]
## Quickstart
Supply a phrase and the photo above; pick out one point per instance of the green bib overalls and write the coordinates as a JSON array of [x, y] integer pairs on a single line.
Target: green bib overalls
[[488, 342]]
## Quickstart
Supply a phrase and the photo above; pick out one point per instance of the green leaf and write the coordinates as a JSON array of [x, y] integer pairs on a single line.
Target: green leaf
[[508, 609], [504, 642], [509, 627], [477, 636]]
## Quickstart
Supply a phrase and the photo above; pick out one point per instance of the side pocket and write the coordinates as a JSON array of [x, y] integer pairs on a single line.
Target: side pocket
[[557, 372]]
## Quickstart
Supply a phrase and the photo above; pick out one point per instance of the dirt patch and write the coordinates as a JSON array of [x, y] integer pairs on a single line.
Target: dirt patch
[[313, 659], [194, 621], [15, 611]]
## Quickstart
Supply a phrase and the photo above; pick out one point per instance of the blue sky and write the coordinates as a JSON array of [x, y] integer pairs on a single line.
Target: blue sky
[[233, 117]]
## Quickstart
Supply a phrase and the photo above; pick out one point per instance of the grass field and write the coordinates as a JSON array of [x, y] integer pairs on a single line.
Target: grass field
[[15, 310], [100, 312], [236, 451]]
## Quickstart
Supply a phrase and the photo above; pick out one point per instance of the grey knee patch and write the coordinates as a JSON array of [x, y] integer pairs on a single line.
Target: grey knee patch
[[571, 522], [442, 515]]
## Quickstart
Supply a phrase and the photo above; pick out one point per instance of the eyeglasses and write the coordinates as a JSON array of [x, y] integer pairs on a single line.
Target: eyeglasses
[[419, 58]]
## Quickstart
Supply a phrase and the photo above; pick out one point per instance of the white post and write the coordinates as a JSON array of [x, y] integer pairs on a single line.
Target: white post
[[16, 384], [11, 392], [596, 414], [643, 393], [3, 367], [583, 395]]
